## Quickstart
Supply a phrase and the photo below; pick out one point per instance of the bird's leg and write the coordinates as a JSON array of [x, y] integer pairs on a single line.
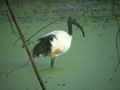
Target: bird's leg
[[52, 62]]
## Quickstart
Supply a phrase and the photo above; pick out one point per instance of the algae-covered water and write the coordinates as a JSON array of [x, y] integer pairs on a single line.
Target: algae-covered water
[[88, 65]]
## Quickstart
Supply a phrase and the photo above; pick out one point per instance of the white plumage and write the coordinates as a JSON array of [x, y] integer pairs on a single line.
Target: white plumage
[[61, 42], [56, 43]]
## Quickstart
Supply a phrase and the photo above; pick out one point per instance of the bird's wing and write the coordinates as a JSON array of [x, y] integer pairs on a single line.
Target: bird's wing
[[48, 37], [43, 46]]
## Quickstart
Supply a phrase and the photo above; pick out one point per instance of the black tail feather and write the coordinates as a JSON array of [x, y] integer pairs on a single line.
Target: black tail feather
[[44, 46], [38, 49]]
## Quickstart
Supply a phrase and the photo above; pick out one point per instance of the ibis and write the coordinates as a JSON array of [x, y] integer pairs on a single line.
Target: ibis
[[56, 42]]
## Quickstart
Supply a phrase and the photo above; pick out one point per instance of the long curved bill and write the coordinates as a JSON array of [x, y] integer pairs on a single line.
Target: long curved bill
[[78, 25], [81, 28]]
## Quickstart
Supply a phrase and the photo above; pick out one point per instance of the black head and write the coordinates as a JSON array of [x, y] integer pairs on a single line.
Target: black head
[[74, 22]]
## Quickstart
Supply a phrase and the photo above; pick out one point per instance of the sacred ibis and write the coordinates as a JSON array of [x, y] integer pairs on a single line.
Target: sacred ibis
[[57, 42]]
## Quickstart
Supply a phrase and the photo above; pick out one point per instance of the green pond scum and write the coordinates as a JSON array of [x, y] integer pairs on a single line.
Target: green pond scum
[[49, 69], [91, 63]]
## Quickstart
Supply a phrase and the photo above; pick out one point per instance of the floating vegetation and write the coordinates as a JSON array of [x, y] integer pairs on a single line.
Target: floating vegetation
[[61, 84], [45, 81], [49, 69], [35, 11], [2, 74]]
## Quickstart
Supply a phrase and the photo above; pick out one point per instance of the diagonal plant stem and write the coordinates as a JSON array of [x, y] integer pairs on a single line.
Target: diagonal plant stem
[[25, 45], [39, 31]]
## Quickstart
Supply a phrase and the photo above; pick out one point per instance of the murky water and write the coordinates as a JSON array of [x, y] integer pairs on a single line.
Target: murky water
[[88, 65]]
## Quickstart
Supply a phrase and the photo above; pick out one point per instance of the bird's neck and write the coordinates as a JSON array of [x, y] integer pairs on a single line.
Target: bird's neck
[[69, 28]]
